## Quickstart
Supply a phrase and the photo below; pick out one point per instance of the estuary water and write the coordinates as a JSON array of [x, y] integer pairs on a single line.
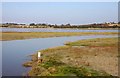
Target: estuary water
[[55, 30], [16, 52]]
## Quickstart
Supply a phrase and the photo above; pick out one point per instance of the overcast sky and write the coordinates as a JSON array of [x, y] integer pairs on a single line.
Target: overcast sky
[[60, 12]]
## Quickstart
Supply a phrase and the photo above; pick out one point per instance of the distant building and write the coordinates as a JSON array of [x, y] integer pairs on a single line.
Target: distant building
[[115, 24]]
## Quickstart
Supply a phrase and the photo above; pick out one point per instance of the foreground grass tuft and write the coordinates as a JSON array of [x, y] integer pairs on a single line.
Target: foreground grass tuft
[[57, 68]]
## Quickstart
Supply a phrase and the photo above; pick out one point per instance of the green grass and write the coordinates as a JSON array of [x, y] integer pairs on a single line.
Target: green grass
[[28, 64], [51, 63], [54, 67], [95, 42]]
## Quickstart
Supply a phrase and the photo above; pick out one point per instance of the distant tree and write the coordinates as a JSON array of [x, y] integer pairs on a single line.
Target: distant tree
[[68, 24], [32, 24], [62, 25], [44, 24], [38, 24], [22, 24], [119, 22], [113, 22]]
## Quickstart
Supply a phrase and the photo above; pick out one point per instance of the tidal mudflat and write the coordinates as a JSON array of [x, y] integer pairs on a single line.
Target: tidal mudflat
[[5, 36], [92, 57]]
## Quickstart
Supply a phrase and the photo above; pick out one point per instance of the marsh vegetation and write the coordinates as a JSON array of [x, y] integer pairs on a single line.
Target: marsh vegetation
[[93, 57], [29, 35]]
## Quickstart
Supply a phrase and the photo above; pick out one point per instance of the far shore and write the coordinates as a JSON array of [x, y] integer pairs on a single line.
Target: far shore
[[70, 28], [6, 36]]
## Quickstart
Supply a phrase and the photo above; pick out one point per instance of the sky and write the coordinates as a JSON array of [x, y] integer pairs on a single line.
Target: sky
[[59, 12], [60, 0]]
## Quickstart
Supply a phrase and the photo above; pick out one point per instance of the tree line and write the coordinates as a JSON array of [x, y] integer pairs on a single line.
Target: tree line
[[44, 25]]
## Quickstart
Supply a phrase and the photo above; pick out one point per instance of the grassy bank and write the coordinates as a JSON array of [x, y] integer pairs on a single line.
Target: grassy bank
[[28, 35], [93, 57], [100, 42]]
